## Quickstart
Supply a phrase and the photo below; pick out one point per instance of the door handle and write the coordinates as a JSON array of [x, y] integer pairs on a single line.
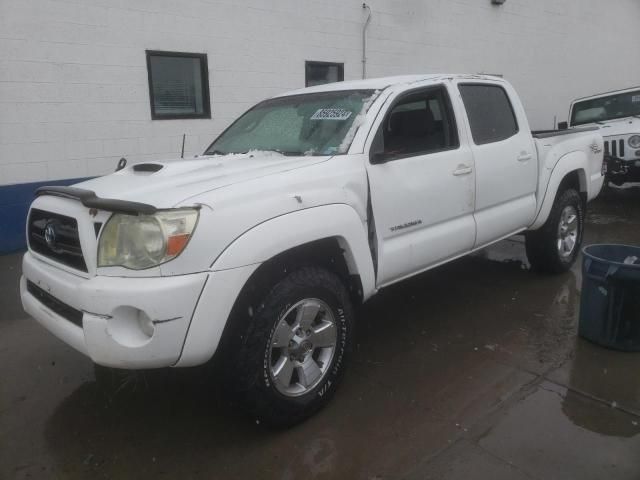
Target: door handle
[[525, 157], [462, 170]]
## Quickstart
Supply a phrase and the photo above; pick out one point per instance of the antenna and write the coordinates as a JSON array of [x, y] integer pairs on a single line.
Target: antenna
[[183, 137]]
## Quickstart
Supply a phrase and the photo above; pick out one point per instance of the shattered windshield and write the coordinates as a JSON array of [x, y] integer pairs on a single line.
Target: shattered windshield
[[309, 124], [606, 108]]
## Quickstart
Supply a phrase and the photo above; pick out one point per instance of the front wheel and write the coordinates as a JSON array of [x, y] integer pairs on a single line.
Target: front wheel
[[294, 350], [555, 246]]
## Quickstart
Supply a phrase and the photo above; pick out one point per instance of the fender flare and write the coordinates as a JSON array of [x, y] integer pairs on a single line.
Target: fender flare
[[571, 162], [266, 240]]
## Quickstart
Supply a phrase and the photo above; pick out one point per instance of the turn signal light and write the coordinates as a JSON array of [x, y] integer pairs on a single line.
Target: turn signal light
[[176, 243]]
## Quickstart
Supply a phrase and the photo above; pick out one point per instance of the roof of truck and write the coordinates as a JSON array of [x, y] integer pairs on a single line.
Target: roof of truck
[[384, 82], [606, 94]]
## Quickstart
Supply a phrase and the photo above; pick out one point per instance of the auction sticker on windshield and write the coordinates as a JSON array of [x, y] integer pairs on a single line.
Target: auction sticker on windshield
[[331, 114]]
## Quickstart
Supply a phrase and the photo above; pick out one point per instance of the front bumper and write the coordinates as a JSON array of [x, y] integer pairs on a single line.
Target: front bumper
[[622, 171], [125, 322]]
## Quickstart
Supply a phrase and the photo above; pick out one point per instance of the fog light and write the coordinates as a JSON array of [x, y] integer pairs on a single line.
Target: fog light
[[130, 327], [145, 324]]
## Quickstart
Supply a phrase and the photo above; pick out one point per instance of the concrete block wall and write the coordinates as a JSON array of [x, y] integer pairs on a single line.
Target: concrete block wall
[[73, 80]]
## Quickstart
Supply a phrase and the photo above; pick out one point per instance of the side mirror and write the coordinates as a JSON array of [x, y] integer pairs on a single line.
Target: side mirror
[[376, 154], [378, 158], [563, 126]]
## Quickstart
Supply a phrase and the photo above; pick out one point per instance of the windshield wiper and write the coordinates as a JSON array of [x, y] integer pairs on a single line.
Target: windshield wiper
[[291, 154], [282, 152], [275, 150], [215, 152]]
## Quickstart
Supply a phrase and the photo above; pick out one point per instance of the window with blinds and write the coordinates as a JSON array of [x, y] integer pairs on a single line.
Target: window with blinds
[[178, 85]]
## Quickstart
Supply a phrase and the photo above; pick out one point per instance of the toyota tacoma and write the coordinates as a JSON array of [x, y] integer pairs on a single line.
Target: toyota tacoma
[[259, 250]]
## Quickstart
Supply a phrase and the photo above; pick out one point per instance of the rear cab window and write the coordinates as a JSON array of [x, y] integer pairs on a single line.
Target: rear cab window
[[491, 115]]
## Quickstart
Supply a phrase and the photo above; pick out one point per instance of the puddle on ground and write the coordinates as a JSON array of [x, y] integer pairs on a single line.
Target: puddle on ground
[[598, 219]]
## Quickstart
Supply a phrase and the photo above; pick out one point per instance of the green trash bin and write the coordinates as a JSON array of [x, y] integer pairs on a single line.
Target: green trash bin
[[610, 299]]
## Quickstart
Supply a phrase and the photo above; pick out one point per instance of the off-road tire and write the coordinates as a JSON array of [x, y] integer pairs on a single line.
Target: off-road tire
[[251, 378], [542, 244]]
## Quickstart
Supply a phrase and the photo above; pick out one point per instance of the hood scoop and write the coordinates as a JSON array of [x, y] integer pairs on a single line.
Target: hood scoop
[[148, 167]]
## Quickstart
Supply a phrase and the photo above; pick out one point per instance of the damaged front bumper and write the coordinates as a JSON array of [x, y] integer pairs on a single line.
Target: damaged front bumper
[[117, 322]]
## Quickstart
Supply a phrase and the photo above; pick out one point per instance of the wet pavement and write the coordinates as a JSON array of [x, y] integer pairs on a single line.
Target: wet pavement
[[472, 370]]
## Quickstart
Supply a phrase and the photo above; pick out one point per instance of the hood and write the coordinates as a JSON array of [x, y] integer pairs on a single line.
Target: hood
[[619, 126], [165, 184]]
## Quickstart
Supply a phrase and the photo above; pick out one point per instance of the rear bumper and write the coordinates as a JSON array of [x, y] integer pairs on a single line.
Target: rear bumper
[[125, 322]]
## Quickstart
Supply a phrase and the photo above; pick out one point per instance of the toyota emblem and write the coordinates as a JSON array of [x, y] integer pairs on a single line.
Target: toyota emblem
[[50, 236]]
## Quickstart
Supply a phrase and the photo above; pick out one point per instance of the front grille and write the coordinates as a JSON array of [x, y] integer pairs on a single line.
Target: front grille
[[62, 243], [52, 303], [616, 146]]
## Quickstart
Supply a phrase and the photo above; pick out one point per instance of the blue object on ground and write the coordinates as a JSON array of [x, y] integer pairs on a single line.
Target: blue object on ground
[[610, 300]]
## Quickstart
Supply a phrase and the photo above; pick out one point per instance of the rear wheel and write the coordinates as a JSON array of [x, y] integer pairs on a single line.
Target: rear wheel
[[294, 350], [556, 245]]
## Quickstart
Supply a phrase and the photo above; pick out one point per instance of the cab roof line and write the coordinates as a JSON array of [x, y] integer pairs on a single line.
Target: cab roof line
[[89, 199]]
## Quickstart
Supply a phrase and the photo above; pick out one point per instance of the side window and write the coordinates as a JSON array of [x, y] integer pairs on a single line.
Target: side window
[[418, 124], [490, 113]]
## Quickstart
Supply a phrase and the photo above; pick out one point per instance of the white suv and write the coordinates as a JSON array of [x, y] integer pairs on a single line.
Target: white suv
[[618, 116]]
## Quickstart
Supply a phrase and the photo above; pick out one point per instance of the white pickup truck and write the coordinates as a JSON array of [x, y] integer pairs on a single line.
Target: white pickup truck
[[308, 204]]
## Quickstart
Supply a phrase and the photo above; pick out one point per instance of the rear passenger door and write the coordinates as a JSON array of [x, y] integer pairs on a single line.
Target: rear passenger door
[[505, 160], [422, 184]]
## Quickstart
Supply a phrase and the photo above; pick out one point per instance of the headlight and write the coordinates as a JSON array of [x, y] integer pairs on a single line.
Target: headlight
[[634, 141], [144, 241]]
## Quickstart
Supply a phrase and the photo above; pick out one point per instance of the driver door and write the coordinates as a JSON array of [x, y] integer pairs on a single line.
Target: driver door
[[422, 182]]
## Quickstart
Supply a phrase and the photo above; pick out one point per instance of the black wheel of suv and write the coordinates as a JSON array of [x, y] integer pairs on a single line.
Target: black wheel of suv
[[555, 246], [294, 350]]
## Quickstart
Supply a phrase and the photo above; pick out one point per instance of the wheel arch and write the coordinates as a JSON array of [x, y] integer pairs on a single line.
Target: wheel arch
[[313, 233], [569, 172], [331, 253]]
